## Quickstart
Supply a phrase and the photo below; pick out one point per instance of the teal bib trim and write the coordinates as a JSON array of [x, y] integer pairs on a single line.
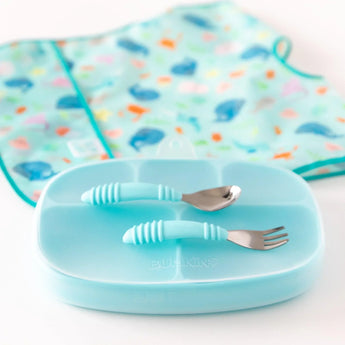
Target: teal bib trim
[[82, 100], [328, 162], [283, 57]]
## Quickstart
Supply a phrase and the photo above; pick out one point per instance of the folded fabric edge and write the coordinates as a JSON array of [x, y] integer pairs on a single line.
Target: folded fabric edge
[[15, 187]]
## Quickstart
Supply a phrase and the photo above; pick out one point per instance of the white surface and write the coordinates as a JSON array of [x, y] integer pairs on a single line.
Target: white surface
[[317, 29]]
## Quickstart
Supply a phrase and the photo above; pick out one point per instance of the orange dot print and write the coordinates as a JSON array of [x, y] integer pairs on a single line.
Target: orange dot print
[[20, 110], [236, 74], [321, 90], [137, 109], [179, 130], [277, 130], [61, 131], [66, 160], [167, 43], [270, 74], [104, 157], [217, 137], [61, 43], [284, 155], [163, 80], [144, 75]]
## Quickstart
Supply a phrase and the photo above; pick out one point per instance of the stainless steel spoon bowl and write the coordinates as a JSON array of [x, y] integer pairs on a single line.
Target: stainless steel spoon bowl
[[213, 199]]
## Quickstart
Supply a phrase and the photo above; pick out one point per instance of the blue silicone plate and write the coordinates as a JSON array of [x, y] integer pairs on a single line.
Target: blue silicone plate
[[84, 262]]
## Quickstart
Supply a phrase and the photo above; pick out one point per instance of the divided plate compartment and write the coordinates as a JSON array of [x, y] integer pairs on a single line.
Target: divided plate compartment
[[84, 262]]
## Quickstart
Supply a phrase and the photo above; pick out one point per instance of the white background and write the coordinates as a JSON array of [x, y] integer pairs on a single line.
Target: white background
[[27, 316]]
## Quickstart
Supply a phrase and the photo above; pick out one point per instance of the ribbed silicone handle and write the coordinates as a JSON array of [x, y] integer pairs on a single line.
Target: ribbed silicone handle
[[118, 192], [172, 230]]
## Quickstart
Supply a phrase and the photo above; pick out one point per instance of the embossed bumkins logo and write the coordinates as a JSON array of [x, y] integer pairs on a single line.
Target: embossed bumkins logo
[[192, 262]]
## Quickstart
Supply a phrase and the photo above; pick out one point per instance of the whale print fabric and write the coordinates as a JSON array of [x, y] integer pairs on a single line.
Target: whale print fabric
[[209, 73]]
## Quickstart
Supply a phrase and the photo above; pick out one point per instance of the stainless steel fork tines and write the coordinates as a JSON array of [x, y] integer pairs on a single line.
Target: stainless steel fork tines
[[260, 240]]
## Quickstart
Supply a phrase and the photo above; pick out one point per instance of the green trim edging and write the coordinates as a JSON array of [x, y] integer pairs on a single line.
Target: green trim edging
[[82, 100], [283, 59], [14, 185]]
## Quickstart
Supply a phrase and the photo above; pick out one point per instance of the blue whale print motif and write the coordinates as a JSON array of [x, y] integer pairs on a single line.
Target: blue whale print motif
[[146, 136], [198, 21], [132, 46], [69, 63], [227, 110], [186, 67], [68, 102], [34, 171], [142, 94], [24, 84], [255, 51], [250, 148], [317, 129], [192, 120]]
